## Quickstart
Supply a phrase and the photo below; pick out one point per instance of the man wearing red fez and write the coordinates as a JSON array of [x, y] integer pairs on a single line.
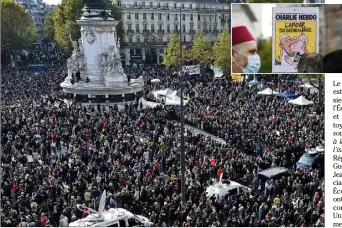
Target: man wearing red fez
[[244, 51]]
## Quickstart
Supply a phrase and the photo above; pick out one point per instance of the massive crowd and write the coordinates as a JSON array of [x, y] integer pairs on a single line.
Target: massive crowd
[[79, 151]]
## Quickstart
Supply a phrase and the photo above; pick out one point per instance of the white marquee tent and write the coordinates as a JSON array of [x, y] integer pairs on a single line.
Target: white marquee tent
[[301, 101], [175, 99], [162, 93], [268, 91]]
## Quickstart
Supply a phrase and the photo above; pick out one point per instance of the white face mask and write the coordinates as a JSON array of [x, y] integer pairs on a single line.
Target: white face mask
[[253, 65]]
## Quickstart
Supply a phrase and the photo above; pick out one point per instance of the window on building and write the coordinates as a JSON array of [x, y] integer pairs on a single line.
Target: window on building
[[129, 27], [176, 28], [119, 3], [130, 39], [131, 224], [135, 4], [137, 39], [145, 27], [176, 17], [161, 51], [199, 17], [182, 5], [184, 38], [168, 38], [158, 5], [209, 28], [151, 4], [183, 17], [160, 39], [191, 28], [199, 27], [160, 27], [215, 17], [143, 4], [137, 16], [159, 16], [167, 17], [191, 17], [166, 5], [175, 5], [168, 28], [137, 27], [190, 6], [129, 16], [145, 39], [184, 28], [152, 27], [144, 16], [152, 16]]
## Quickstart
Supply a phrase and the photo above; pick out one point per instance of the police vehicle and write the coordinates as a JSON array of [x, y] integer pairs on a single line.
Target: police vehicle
[[114, 217], [226, 187], [311, 159]]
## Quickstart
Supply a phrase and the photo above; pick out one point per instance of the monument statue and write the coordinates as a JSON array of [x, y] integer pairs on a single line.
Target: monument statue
[[73, 61], [76, 62], [96, 4], [111, 62]]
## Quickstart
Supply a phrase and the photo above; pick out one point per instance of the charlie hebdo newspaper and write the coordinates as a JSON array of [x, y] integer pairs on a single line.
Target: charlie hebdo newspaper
[[293, 23]]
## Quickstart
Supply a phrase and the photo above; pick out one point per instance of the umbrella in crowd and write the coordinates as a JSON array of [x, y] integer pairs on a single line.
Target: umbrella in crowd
[[58, 154]]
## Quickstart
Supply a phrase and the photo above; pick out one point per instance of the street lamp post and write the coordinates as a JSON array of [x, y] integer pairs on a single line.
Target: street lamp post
[[181, 74]]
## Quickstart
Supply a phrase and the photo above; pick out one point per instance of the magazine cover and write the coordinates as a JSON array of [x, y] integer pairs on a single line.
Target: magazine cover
[[295, 32]]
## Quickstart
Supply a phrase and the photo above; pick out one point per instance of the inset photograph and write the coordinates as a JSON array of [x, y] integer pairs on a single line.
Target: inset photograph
[[286, 38]]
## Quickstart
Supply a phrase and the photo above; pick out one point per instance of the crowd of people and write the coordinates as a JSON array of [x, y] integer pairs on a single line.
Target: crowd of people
[[56, 154]]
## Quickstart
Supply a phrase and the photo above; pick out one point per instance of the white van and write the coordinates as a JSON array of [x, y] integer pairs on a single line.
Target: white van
[[114, 217], [225, 187]]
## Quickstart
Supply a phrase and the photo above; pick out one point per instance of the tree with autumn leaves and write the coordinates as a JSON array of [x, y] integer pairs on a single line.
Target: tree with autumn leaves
[[17, 29], [202, 51], [62, 21]]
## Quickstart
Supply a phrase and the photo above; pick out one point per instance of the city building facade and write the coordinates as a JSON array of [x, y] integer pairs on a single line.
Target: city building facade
[[38, 11], [147, 25]]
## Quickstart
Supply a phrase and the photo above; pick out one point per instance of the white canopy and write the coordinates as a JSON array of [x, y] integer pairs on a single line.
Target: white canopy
[[301, 101], [306, 86], [164, 92], [156, 80], [268, 91], [175, 101]]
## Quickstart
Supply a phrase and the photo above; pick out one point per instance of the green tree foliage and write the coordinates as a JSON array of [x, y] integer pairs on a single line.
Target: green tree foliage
[[222, 53], [49, 28], [172, 56], [317, 81], [272, 1], [265, 52], [65, 16], [17, 29], [202, 50]]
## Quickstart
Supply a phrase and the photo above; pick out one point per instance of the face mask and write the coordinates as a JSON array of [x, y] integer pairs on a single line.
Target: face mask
[[253, 65]]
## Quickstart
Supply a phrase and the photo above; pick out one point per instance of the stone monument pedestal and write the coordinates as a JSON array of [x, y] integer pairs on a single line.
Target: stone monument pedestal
[[98, 52]]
